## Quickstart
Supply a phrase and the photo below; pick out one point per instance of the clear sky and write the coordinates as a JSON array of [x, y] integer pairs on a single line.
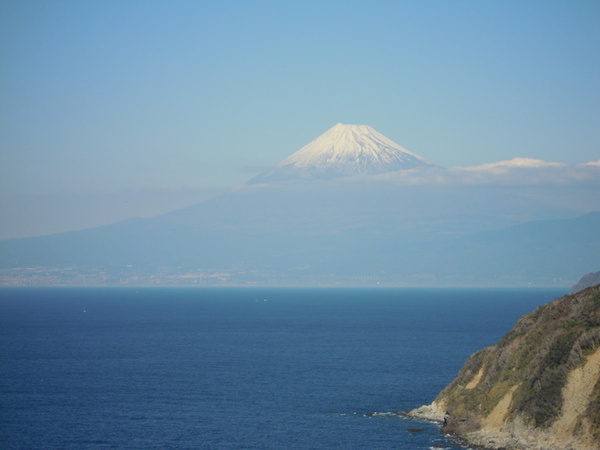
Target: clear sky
[[110, 109]]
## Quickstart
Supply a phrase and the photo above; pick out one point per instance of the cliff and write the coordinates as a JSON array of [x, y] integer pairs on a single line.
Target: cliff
[[538, 388]]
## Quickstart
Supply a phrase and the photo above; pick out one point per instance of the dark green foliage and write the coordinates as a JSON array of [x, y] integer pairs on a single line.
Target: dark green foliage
[[542, 399], [559, 351]]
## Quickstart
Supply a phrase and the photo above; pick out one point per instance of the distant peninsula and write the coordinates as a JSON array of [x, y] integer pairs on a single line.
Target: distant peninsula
[[537, 388], [591, 279]]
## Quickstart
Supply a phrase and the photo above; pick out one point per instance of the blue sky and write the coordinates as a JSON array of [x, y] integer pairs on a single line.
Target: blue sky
[[122, 108]]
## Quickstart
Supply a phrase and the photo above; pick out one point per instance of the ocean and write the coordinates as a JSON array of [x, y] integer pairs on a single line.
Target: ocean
[[245, 368]]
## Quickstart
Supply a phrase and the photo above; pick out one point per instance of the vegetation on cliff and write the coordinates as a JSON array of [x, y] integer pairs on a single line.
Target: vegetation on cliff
[[543, 375]]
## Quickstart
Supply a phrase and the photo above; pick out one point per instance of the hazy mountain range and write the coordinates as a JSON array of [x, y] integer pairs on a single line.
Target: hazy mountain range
[[350, 208]]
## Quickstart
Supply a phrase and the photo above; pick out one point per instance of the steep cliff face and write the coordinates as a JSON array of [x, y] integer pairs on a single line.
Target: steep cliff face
[[538, 388]]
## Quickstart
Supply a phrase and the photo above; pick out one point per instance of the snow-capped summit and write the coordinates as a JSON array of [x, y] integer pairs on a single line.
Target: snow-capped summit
[[344, 150]]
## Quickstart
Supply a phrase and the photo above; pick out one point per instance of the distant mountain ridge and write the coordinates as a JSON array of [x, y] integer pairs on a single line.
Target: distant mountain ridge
[[344, 150], [591, 279], [333, 213], [306, 241]]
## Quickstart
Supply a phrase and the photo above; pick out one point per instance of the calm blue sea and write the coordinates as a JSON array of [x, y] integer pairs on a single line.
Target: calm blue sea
[[235, 367]]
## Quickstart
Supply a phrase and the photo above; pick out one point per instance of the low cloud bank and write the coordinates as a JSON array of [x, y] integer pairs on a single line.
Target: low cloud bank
[[514, 172]]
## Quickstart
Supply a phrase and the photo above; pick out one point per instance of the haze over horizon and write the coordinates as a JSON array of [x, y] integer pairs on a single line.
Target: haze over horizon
[[351, 208], [114, 110]]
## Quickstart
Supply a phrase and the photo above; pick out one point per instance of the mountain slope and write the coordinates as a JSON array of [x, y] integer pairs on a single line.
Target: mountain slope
[[344, 150], [311, 222], [538, 388], [299, 236], [534, 250]]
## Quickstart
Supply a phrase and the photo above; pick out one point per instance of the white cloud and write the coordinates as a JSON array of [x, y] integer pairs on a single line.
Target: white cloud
[[514, 172], [502, 166]]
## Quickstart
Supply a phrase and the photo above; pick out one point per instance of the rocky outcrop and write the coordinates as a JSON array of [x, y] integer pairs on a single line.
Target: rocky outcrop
[[538, 388]]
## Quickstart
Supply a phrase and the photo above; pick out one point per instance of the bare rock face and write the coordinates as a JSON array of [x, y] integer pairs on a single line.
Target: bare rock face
[[538, 388]]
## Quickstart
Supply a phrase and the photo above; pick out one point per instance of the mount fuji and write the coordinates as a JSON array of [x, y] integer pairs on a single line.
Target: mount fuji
[[285, 227], [342, 151]]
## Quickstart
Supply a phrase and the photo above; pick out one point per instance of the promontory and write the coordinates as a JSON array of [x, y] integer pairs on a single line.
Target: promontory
[[537, 388]]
